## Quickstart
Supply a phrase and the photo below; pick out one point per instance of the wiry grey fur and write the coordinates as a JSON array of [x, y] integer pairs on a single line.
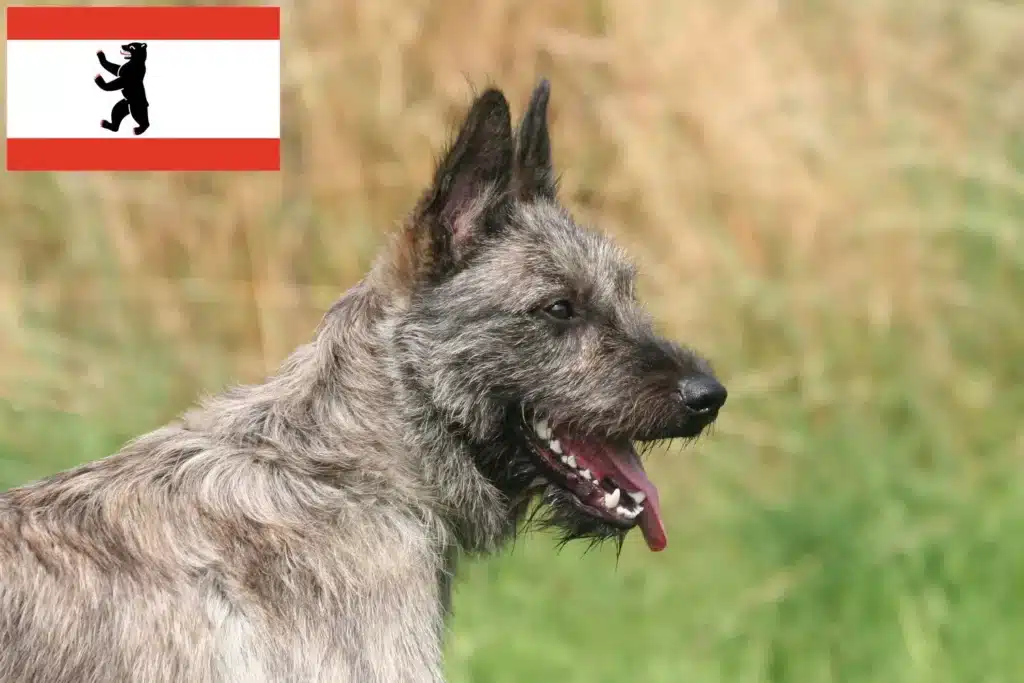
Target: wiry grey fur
[[306, 529]]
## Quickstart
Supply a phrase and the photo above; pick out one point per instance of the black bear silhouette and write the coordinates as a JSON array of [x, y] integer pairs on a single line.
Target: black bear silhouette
[[129, 82]]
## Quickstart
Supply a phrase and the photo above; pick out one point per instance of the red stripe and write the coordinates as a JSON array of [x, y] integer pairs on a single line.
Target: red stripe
[[154, 154], [143, 23]]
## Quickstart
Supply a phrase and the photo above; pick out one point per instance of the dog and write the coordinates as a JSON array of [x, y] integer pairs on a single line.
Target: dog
[[494, 360]]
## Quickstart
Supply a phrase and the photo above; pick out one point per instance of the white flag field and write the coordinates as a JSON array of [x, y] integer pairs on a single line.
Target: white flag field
[[143, 88]]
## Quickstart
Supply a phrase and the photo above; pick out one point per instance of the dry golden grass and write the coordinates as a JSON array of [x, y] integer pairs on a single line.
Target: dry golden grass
[[736, 147]]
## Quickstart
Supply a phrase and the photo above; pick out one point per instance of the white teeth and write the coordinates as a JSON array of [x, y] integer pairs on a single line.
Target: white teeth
[[571, 461], [543, 429], [611, 500], [637, 496], [565, 459], [586, 474], [555, 446], [630, 514]]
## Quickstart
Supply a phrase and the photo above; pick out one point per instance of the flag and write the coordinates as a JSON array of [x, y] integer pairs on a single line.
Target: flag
[[143, 88]]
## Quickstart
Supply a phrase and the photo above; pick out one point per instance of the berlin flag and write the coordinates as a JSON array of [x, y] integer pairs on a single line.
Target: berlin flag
[[151, 88]]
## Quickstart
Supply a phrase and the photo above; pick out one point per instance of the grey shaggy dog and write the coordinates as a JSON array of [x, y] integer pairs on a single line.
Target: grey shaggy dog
[[306, 529]]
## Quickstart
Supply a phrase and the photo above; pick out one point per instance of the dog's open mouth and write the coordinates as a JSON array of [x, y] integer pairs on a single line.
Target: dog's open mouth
[[605, 479]]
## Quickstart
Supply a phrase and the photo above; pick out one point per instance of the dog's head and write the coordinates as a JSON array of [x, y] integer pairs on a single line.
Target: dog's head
[[524, 333]]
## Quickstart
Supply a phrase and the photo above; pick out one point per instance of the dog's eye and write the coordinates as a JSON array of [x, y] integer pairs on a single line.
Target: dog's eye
[[560, 310]]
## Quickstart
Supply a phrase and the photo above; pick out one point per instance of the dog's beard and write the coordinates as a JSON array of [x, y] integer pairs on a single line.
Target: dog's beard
[[537, 504], [542, 497], [558, 512]]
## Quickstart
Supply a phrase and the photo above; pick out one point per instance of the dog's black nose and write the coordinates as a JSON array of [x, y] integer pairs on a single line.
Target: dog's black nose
[[702, 394]]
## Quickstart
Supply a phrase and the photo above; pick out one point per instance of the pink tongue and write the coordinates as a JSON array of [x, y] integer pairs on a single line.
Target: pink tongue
[[626, 469], [621, 463]]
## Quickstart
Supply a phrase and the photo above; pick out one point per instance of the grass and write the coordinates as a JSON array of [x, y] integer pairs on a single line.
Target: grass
[[827, 197]]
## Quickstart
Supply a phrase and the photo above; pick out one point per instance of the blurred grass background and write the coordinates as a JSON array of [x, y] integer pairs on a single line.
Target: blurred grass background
[[824, 196]]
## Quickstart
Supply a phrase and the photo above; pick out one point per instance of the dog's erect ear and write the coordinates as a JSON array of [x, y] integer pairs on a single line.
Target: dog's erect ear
[[470, 190], [533, 175]]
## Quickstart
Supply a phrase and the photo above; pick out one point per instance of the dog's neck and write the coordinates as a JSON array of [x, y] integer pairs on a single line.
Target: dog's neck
[[320, 416]]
